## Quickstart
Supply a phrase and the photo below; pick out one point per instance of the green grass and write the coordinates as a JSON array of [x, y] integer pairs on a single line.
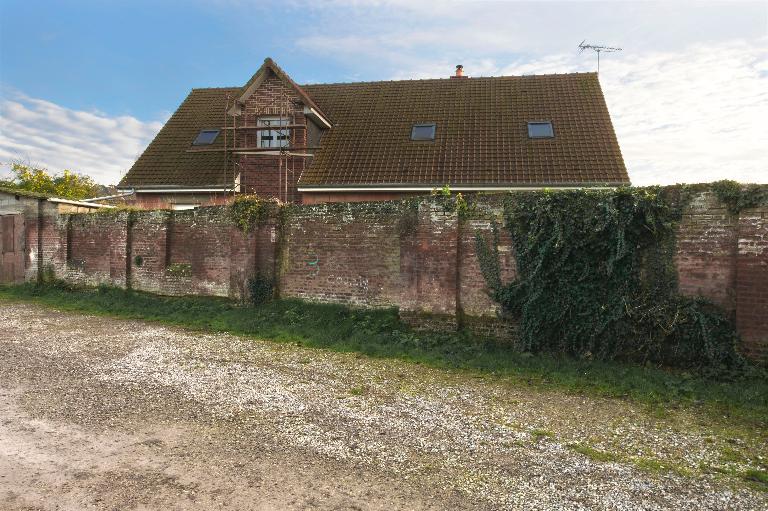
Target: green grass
[[592, 453], [538, 434], [742, 400]]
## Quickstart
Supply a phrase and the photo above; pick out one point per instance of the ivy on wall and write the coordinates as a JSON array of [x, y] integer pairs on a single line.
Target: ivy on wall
[[596, 278], [737, 197], [249, 211]]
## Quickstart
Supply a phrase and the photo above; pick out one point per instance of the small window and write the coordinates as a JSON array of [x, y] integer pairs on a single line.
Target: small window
[[206, 137], [423, 132], [540, 130], [278, 136], [183, 207]]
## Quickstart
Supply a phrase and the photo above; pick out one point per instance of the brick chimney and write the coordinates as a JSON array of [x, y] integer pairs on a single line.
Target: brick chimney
[[459, 72]]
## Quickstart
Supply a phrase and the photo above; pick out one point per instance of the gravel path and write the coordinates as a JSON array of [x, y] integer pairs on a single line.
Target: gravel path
[[99, 413]]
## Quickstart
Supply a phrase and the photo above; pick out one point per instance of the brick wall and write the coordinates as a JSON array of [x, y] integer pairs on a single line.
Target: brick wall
[[270, 175], [412, 254]]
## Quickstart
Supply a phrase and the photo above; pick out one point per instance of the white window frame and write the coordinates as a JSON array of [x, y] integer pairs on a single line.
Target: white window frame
[[276, 138]]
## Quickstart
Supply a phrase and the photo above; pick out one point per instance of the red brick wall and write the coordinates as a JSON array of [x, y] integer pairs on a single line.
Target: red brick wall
[[337, 253], [751, 281], [167, 200], [706, 250], [270, 175], [414, 255], [96, 248]]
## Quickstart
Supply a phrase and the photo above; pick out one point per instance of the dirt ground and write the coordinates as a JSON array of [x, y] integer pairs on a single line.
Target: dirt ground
[[100, 413]]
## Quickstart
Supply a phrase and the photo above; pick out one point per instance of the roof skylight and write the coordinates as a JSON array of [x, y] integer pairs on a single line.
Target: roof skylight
[[206, 137], [423, 131], [540, 130]]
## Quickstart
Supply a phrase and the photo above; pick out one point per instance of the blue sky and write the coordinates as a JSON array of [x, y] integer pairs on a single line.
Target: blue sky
[[86, 84]]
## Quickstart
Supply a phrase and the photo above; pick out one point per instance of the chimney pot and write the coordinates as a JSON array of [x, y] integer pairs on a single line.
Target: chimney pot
[[459, 72]]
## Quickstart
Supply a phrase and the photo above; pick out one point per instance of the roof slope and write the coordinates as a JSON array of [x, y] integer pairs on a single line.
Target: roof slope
[[481, 136], [170, 159]]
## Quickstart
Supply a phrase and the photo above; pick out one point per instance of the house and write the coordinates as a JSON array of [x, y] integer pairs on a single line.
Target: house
[[379, 140]]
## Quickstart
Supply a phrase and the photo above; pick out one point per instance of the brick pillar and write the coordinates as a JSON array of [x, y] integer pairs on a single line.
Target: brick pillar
[[429, 269], [752, 282]]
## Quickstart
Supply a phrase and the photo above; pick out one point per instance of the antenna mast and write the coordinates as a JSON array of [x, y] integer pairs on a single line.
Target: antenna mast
[[597, 49]]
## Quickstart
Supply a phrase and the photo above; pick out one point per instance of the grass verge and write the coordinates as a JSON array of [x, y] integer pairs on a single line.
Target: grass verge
[[380, 334]]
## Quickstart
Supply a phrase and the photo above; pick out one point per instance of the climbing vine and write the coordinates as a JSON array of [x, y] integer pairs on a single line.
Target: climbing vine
[[248, 211], [737, 197], [596, 278]]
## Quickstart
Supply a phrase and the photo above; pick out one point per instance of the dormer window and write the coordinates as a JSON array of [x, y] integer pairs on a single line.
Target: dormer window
[[423, 131], [278, 135], [541, 129], [206, 137]]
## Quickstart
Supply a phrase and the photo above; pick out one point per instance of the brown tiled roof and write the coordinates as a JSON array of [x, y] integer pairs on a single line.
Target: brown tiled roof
[[170, 160], [481, 135]]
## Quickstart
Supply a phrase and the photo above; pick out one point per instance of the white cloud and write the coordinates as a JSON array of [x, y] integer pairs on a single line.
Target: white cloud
[[59, 138], [697, 112]]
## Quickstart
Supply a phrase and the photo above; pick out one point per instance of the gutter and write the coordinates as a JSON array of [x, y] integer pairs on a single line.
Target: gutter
[[176, 190], [110, 196], [79, 203], [394, 188]]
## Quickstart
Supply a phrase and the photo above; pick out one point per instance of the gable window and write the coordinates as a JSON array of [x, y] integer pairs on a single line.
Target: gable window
[[540, 130], [423, 132], [206, 137], [278, 135]]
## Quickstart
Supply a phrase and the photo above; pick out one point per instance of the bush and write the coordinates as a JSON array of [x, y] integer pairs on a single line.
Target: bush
[[261, 289]]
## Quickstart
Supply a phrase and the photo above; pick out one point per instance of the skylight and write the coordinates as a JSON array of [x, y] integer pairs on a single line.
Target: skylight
[[423, 132], [206, 137], [540, 130]]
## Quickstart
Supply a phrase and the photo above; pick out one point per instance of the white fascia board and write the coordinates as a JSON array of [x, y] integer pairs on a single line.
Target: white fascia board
[[453, 188], [314, 114], [179, 190], [80, 203]]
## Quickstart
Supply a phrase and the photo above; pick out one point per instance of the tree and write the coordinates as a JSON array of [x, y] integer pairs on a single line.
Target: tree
[[67, 185]]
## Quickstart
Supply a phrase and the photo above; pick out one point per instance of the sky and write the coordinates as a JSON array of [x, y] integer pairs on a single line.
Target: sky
[[85, 85]]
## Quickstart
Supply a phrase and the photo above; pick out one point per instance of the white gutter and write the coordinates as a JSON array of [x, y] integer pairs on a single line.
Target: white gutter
[[453, 188], [180, 190], [79, 203], [110, 196]]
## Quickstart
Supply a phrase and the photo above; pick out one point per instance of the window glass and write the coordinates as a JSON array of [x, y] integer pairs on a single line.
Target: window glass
[[540, 130], [206, 137], [279, 136], [423, 132]]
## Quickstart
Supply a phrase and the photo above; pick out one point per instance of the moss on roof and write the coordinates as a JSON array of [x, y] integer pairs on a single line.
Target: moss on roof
[[481, 135]]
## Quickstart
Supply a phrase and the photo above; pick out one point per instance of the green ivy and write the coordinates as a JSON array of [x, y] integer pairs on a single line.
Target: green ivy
[[596, 278], [262, 288], [249, 211], [737, 197]]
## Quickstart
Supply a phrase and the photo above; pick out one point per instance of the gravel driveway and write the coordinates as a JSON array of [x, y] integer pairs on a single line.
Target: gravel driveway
[[100, 413]]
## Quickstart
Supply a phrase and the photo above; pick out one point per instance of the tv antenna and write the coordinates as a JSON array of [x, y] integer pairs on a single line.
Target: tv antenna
[[597, 49]]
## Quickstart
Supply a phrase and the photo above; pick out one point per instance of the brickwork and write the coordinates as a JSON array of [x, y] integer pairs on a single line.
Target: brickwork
[[338, 253], [270, 175], [706, 250], [96, 248], [414, 255], [752, 282]]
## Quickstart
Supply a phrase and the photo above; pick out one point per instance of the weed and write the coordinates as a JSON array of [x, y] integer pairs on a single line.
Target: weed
[[379, 333], [592, 453], [538, 434]]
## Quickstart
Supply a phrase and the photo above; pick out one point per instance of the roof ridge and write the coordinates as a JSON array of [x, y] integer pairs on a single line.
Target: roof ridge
[[410, 80], [214, 88]]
